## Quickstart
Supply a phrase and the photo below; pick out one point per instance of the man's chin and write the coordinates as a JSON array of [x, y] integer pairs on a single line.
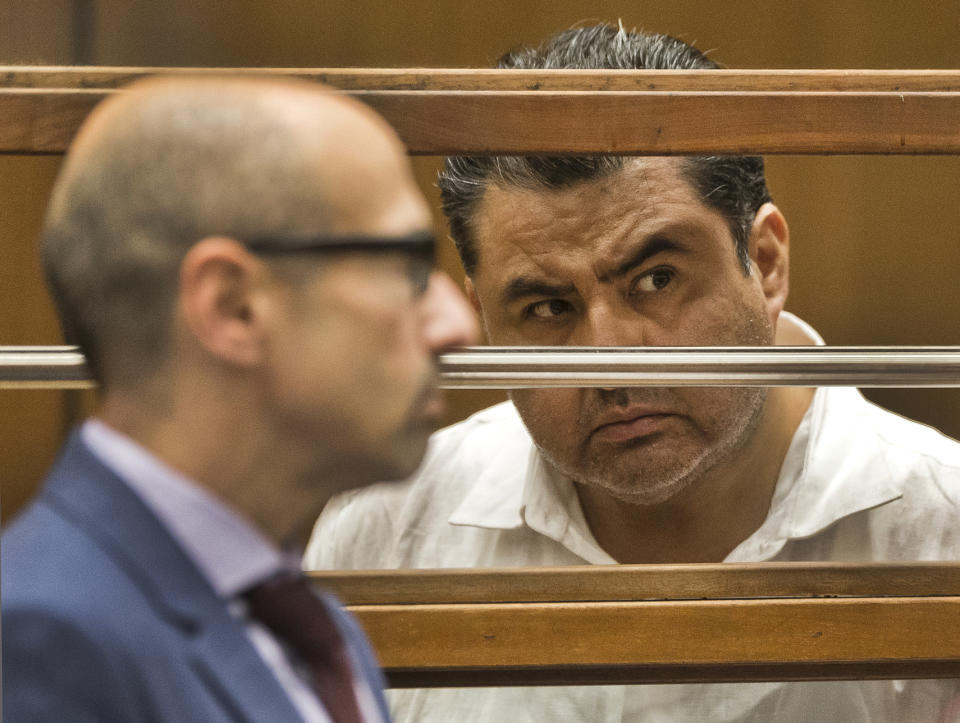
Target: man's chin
[[647, 496], [643, 482]]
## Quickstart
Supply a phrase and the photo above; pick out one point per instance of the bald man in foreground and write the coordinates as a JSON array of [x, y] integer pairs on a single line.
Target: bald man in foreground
[[248, 267]]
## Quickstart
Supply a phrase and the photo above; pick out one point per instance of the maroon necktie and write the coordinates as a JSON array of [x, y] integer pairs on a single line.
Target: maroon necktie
[[288, 606]]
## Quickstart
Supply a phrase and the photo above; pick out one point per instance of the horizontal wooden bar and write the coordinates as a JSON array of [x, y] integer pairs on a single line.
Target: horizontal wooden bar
[[621, 122], [593, 625], [898, 81], [36, 122], [610, 583], [653, 123], [677, 641]]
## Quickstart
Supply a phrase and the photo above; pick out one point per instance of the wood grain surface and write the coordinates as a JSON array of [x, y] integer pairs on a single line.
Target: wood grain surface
[[577, 583], [677, 641], [658, 623], [569, 122], [898, 81]]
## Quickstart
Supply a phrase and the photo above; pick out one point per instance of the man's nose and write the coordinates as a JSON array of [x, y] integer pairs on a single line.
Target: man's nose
[[607, 325], [449, 320]]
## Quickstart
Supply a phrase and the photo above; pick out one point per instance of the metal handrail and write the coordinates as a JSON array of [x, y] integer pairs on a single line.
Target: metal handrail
[[520, 367]]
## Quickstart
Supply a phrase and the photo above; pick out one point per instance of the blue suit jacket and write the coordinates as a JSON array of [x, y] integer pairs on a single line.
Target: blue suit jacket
[[105, 618]]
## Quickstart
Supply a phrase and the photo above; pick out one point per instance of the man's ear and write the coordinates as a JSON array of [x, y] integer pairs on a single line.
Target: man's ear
[[218, 282], [769, 247], [472, 294]]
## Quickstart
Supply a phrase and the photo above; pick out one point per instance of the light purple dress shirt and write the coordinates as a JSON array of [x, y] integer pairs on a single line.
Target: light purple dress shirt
[[230, 553]]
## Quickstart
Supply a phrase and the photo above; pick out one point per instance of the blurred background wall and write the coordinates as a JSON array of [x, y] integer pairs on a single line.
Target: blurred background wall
[[875, 240]]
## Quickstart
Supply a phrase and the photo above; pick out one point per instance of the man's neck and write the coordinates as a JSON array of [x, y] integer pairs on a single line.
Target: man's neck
[[238, 461], [708, 519]]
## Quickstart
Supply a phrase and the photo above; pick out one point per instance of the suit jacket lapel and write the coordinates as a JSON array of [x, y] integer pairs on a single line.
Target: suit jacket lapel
[[88, 492], [240, 680]]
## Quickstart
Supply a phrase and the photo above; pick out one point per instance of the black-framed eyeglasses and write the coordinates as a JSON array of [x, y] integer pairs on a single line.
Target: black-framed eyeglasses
[[420, 246]]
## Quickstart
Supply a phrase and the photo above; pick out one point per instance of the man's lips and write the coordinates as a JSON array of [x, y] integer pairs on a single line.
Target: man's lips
[[633, 425]]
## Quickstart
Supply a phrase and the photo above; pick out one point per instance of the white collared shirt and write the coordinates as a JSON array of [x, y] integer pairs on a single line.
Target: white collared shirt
[[858, 483]]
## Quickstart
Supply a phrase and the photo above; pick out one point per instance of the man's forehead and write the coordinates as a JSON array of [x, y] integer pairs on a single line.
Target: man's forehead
[[647, 195], [638, 189], [369, 188]]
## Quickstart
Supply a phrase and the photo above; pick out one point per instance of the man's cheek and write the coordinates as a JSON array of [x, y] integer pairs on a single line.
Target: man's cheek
[[549, 413]]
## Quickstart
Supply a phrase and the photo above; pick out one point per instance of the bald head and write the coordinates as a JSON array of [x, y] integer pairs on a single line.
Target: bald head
[[168, 162]]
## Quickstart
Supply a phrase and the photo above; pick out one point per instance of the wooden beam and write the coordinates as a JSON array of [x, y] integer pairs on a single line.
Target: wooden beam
[[658, 623], [35, 122], [610, 583], [895, 81], [622, 123], [676, 641]]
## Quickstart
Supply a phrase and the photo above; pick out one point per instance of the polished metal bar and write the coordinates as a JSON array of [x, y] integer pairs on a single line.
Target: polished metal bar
[[518, 367], [39, 367], [521, 367]]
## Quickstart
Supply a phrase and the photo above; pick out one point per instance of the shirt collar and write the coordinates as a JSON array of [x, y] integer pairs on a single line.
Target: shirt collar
[[552, 508], [823, 479], [495, 500], [508, 497], [830, 472], [230, 553]]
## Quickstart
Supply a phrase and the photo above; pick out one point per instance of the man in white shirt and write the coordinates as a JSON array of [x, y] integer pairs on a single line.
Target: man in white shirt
[[248, 267], [632, 252]]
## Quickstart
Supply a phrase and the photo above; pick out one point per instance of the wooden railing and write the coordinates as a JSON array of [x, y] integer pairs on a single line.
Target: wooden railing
[[658, 623], [632, 112]]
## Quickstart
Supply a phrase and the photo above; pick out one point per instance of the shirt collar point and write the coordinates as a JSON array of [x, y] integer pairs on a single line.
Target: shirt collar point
[[503, 519], [863, 503]]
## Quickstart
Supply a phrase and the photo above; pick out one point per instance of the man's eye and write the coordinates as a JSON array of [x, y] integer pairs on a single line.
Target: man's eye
[[550, 309], [654, 280]]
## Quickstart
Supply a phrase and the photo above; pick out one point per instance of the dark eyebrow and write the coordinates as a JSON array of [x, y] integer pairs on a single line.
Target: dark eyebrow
[[524, 286], [654, 246]]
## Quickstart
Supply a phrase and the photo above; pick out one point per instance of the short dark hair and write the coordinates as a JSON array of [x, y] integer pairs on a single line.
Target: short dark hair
[[733, 185]]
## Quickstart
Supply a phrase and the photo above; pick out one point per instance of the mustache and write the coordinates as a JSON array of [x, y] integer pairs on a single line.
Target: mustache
[[598, 402]]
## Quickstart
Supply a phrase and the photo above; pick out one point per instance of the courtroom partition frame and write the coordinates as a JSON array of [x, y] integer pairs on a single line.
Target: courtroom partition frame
[[693, 623], [629, 623]]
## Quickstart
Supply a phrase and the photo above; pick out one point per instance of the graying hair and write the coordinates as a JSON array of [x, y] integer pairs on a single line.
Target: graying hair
[[733, 185]]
